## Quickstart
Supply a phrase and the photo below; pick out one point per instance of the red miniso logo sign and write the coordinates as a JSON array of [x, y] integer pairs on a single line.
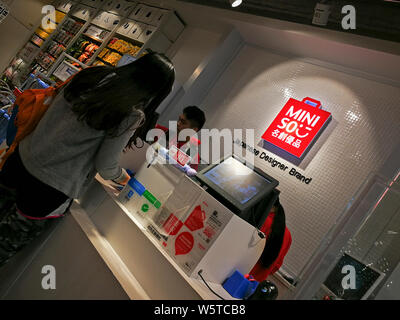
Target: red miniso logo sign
[[297, 125]]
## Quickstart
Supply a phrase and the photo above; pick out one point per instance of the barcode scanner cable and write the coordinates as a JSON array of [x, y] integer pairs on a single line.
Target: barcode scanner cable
[[205, 282]]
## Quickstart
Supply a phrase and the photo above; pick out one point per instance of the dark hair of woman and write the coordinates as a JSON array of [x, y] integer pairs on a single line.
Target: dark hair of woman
[[104, 96], [275, 239]]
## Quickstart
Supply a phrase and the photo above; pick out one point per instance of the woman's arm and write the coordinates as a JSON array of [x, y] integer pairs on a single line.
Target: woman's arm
[[109, 154]]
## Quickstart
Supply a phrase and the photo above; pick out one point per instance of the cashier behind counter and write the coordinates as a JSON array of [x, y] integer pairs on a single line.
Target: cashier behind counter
[[193, 118]]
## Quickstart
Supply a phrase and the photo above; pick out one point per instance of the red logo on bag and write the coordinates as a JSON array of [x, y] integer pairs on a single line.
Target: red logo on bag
[[297, 125]]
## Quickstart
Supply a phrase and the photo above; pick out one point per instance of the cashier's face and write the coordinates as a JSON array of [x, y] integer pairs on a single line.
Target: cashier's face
[[184, 123]]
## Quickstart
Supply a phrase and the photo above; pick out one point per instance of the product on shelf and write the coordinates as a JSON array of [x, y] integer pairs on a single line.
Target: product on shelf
[[123, 46], [29, 51], [96, 33], [116, 48], [17, 63], [83, 50], [55, 49], [64, 37], [44, 35], [59, 16], [72, 26], [113, 58], [49, 30], [37, 40], [45, 60], [103, 53], [89, 50], [74, 63], [98, 63], [9, 72]]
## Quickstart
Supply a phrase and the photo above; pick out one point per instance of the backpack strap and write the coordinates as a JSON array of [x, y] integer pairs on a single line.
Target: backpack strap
[[32, 105]]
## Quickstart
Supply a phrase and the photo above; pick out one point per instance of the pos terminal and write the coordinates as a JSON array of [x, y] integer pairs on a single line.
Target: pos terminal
[[247, 192]]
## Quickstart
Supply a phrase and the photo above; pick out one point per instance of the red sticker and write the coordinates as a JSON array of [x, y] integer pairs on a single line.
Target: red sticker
[[209, 232], [184, 243], [172, 225], [196, 219]]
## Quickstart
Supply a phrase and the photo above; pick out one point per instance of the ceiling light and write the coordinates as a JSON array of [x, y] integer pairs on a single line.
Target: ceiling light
[[235, 3]]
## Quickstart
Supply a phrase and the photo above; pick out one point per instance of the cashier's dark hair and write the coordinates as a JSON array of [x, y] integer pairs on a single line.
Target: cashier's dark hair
[[104, 97], [195, 115], [274, 240]]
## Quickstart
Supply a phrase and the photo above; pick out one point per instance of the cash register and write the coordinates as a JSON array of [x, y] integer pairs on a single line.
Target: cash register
[[248, 192]]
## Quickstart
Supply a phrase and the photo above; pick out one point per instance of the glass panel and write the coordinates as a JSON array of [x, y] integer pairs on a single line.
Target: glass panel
[[367, 261]]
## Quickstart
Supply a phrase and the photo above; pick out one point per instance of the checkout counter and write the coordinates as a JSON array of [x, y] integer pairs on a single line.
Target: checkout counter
[[166, 228]]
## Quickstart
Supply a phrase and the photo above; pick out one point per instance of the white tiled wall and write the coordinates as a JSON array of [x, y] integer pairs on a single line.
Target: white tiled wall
[[364, 131]]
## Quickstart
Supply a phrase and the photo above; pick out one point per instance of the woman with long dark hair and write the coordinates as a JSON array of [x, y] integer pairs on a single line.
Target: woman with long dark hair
[[83, 132]]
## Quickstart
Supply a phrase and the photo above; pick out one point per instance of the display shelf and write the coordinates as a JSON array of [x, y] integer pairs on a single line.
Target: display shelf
[[63, 44], [55, 57], [64, 5], [44, 39], [35, 44], [77, 35], [92, 38], [74, 59], [165, 20], [46, 52], [65, 70], [120, 7], [106, 20], [41, 33], [47, 36], [111, 16], [83, 12], [128, 39], [62, 28], [114, 50], [39, 62], [96, 36]]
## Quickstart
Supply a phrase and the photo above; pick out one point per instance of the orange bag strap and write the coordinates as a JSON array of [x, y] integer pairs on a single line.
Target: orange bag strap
[[28, 97]]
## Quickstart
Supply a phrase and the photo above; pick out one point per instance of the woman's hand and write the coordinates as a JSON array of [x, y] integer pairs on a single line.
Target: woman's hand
[[123, 179]]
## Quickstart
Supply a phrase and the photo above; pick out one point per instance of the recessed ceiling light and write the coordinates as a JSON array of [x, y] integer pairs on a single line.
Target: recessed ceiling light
[[235, 3]]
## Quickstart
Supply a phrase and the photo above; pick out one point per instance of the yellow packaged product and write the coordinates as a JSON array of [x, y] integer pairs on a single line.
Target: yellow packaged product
[[103, 53], [113, 58], [59, 16], [99, 63], [117, 45], [41, 33]]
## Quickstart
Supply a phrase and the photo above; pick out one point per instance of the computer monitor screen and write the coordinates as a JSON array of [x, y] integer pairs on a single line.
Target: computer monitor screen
[[236, 179], [365, 279]]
